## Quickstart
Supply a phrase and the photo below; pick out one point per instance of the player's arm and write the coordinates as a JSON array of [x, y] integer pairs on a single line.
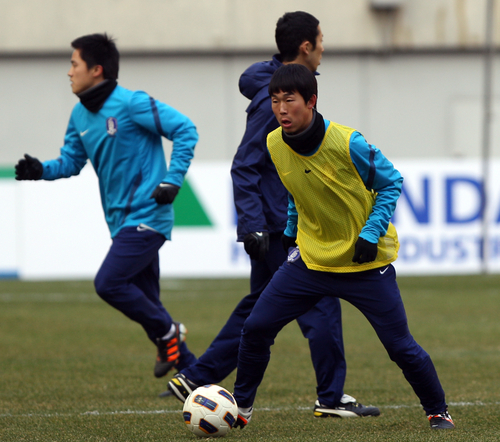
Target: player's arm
[[246, 170], [71, 161], [164, 120], [378, 174], [289, 236], [293, 217]]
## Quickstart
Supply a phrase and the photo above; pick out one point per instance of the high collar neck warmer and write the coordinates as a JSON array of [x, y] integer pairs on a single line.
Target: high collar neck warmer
[[93, 99], [309, 139]]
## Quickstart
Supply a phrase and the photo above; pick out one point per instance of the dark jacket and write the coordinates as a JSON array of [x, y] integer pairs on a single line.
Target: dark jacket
[[260, 198]]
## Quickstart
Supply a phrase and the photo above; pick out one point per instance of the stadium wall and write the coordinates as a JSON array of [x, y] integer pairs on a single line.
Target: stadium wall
[[32, 26], [411, 105]]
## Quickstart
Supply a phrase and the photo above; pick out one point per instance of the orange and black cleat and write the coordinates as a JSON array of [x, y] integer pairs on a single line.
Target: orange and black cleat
[[169, 351], [441, 421]]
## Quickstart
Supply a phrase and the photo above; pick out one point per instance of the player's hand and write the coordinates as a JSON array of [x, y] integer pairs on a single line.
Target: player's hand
[[28, 168], [256, 245], [364, 251], [288, 241], [165, 193]]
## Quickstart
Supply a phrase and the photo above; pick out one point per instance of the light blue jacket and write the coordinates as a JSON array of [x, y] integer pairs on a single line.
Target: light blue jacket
[[123, 142]]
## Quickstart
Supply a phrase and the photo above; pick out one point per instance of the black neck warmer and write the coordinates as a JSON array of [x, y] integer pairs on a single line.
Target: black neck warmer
[[309, 139], [93, 99]]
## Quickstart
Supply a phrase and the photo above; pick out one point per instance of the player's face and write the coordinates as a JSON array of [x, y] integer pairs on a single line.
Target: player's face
[[293, 114], [313, 59], [80, 76]]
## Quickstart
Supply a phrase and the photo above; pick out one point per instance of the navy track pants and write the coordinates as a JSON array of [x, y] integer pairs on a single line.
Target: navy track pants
[[294, 289], [128, 280]]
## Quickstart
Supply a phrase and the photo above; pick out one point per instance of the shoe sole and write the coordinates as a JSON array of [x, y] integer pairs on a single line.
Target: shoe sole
[[451, 427], [319, 412], [443, 426], [337, 414], [162, 370]]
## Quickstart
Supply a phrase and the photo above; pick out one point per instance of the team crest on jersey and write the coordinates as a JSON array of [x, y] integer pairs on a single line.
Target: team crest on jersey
[[293, 255], [111, 126]]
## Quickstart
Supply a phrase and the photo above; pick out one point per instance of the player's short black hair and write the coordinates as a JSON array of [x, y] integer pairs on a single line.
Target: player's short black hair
[[294, 77], [292, 30], [99, 50]]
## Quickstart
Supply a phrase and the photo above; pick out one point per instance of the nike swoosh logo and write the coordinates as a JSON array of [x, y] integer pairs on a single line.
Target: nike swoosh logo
[[287, 173], [258, 233], [307, 170], [82, 134], [383, 271]]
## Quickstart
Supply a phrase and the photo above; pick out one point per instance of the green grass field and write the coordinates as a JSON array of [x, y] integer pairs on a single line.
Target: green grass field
[[74, 369]]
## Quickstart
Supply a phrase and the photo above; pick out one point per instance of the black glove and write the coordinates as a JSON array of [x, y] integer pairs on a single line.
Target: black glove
[[364, 251], [165, 193], [288, 242], [256, 245], [29, 168]]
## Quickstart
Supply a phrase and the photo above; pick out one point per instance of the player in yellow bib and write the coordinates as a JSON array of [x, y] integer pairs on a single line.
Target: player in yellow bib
[[343, 193]]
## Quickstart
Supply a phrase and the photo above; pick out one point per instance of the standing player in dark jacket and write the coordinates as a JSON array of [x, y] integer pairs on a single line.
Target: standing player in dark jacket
[[261, 203]]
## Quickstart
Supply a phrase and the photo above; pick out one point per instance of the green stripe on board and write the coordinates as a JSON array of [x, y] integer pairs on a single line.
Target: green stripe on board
[[7, 172], [188, 209]]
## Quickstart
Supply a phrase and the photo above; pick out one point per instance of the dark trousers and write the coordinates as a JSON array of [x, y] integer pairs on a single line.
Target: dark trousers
[[321, 325], [128, 280], [294, 289]]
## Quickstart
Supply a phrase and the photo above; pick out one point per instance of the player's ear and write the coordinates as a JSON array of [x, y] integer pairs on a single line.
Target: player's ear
[[97, 71], [312, 101], [305, 47]]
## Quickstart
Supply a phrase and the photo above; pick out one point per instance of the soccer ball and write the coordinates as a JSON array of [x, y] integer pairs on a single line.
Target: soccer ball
[[210, 411]]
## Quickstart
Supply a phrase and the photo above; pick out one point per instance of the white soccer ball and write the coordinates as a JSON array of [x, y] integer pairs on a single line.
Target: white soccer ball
[[210, 411]]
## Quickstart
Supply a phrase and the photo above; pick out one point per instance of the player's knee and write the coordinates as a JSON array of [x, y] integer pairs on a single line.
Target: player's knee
[[407, 353], [103, 286], [254, 326], [257, 335]]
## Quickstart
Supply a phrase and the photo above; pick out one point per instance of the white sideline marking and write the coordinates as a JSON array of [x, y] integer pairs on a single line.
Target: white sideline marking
[[49, 297], [93, 297], [122, 412]]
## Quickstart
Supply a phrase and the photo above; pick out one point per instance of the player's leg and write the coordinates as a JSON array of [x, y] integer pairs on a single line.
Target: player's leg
[[130, 253], [148, 281], [322, 326], [290, 294], [376, 294], [221, 357]]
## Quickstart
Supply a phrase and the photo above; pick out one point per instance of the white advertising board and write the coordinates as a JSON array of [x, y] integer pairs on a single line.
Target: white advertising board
[[439, 217], [53, 230]]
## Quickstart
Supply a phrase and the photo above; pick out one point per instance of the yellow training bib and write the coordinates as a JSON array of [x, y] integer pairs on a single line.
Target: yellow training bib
[[332, 202]]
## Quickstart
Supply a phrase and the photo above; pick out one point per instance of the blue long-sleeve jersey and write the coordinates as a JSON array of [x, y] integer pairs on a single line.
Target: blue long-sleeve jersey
[[123, 141], [378, 174], [259, 196]]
